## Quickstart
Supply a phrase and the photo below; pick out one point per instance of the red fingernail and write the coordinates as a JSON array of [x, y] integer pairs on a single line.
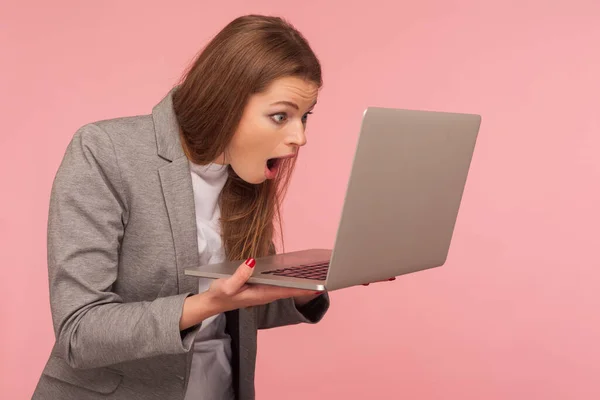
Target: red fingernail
[[392, 279], [251, 262]]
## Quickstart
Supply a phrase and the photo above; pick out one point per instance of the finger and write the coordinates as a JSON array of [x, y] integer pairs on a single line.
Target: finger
[[283, 292], [308, 293], [271, 292], [386, 280], [235, 282]]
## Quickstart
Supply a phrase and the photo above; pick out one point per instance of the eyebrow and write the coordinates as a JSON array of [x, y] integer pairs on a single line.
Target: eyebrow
[[292, 104]]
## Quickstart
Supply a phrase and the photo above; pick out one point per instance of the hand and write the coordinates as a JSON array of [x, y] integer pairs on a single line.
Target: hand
[[231, 293], [385, 280]]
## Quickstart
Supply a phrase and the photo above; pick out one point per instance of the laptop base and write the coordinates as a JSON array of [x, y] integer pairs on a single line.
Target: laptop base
[[306, 269]]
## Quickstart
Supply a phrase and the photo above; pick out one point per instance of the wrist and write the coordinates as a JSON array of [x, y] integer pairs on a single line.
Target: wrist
[[197, 308]]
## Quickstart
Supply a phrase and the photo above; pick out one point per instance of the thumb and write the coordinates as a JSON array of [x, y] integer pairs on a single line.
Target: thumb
[[234, 283]]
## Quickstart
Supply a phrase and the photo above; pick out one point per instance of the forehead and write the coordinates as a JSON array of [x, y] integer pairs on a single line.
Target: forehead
[[291, 88]]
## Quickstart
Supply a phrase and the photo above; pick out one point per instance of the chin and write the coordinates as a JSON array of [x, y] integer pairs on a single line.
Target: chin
[[249, 172], [253, 179]]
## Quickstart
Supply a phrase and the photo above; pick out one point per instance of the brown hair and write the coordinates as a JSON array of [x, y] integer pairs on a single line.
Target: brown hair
[[241, 60]]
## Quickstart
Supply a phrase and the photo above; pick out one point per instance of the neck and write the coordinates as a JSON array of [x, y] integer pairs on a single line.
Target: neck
[[220, 160]]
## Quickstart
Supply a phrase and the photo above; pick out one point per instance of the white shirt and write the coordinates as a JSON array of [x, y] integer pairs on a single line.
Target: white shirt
[[210, 376]]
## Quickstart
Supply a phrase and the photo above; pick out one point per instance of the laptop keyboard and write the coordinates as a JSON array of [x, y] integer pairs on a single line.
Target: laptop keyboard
[[316, 271]]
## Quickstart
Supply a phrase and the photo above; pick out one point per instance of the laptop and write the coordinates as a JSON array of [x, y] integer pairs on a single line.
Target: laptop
[[402, 201]]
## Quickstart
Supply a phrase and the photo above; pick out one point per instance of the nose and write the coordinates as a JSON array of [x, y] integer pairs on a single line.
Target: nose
[[297, 136]]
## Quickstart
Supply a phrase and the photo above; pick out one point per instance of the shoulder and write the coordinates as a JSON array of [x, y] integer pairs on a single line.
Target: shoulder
[[126, 134], [120, 143], [103, 149]]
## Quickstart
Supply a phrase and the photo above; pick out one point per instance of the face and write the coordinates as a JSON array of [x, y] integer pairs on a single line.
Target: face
[[272, 127]]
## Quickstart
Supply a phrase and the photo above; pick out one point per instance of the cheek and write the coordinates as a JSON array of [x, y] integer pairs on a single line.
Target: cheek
[[256, 140]]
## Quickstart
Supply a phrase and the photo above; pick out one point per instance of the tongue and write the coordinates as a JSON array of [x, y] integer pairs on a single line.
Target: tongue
[[271, 169]]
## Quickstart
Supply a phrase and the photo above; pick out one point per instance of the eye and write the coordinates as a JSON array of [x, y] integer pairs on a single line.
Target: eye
[[279, 118], [305, 117]]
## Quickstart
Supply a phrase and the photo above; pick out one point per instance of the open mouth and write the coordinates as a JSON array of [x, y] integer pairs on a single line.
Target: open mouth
[[273, 164], [272, 167]]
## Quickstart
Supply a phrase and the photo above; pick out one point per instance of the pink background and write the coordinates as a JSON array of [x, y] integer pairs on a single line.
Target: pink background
[[513, 314]]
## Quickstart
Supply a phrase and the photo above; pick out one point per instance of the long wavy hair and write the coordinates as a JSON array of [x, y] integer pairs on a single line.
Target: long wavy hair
[[241, 60]]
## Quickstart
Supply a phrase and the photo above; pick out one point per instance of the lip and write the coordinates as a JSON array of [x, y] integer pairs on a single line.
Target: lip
[[288, 156], [271, 174]]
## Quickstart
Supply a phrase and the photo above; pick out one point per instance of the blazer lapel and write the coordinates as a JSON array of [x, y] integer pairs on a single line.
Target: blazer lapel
[[176, 183]]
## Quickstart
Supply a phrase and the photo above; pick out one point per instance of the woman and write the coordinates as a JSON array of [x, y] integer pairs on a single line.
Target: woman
[[137, 200]]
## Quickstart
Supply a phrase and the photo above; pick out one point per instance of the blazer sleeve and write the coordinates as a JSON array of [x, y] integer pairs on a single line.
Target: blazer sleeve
[[285, 312], [92, 324]]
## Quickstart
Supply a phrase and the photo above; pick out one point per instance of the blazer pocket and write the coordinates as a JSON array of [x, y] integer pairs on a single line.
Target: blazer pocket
[[100, 380]]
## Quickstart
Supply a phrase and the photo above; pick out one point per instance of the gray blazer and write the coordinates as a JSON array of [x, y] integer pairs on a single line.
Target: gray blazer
[[121, 230]]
